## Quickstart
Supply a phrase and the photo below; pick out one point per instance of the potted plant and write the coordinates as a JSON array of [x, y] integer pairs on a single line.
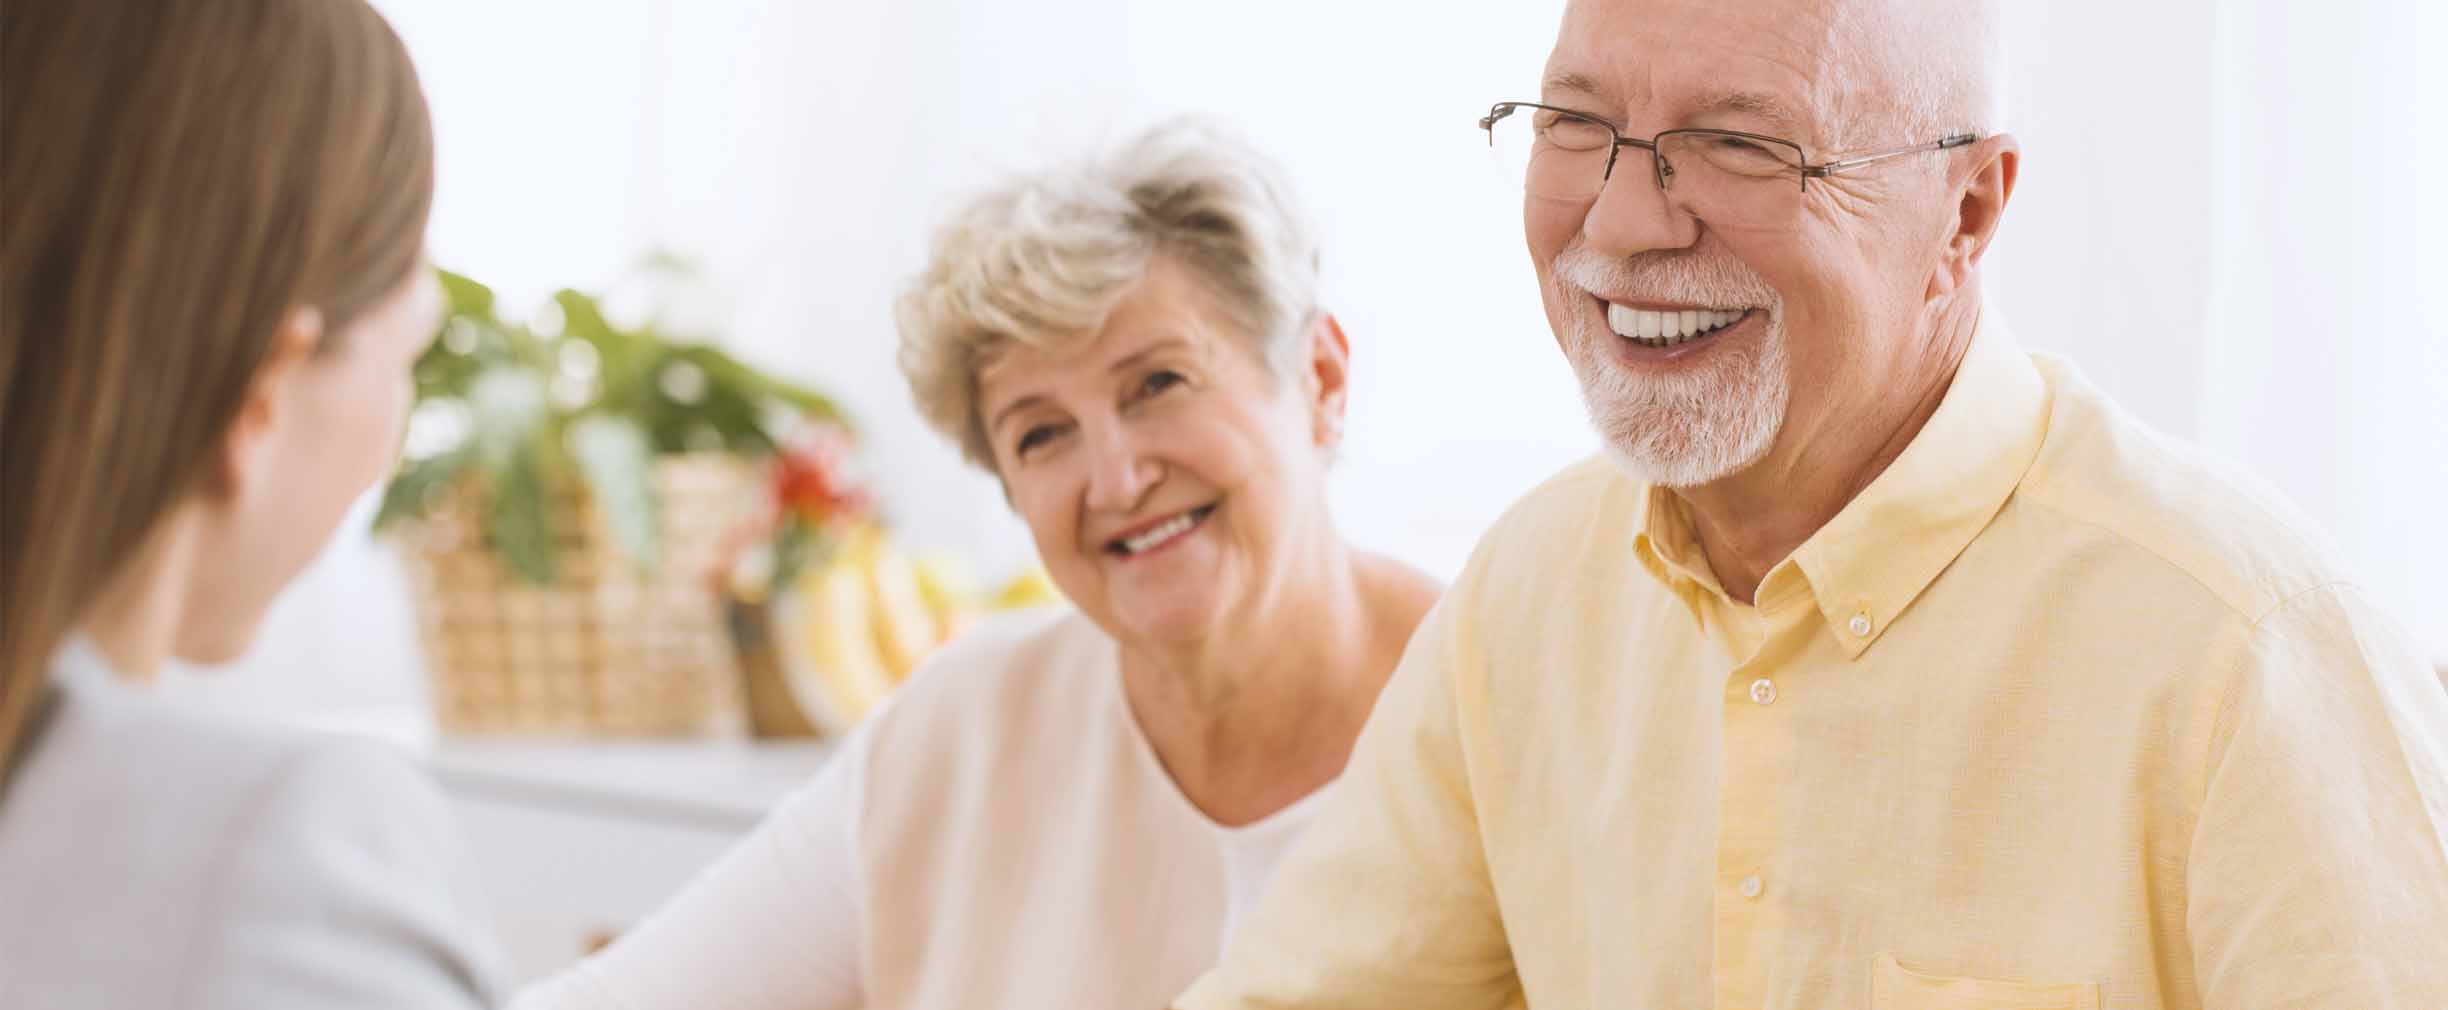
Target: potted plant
[[567, 493]]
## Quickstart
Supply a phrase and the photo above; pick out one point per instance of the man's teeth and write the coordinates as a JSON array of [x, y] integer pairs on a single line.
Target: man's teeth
[[1151, 539], [1666, 329]]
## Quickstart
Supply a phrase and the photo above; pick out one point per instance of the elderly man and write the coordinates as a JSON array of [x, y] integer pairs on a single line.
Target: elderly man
[[1879, 664]]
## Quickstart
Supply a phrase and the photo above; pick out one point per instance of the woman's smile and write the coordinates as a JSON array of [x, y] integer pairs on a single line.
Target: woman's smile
[[1157, 536]]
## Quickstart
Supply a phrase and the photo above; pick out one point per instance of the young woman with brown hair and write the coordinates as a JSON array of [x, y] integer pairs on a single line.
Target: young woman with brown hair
[[211, 292]]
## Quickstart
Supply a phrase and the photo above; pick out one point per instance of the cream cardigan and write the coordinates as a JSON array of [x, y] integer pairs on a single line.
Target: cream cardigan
[[1000, 835]]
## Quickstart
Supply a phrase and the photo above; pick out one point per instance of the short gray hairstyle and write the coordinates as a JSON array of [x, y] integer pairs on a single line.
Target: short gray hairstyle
[[1041, 260]]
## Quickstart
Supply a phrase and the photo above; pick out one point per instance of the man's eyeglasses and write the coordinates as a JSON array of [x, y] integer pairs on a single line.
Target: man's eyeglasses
[[1727, 178]]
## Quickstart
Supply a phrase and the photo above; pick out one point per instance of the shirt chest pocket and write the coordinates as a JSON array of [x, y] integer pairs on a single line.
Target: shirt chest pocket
[[1894, 987]]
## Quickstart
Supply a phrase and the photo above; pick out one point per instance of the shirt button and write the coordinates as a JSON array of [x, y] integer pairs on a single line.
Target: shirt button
[[1763, 691], [1750, 886], [1859, 625]]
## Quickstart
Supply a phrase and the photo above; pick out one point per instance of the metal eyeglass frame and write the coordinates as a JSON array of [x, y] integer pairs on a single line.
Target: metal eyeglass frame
[[1664, 171]]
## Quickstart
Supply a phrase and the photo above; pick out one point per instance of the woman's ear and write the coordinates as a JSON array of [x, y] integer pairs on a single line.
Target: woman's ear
[[1329, 378], [245, 452]]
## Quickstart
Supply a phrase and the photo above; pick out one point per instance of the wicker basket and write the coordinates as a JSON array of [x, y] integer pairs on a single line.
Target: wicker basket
[[606, 649]]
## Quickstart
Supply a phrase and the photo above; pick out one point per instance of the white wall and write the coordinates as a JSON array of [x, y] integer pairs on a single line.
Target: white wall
[[2326, 364], [2221, 219]]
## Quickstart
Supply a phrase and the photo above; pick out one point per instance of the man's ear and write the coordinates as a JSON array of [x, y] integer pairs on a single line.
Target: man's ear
[[244, 456], [1982, 194], [1327, 378]]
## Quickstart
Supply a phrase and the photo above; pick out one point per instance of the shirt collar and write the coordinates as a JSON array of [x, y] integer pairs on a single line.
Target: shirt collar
[[1890, 542], [79, 667], [1665, 544], [75, 665], [1869, 563]]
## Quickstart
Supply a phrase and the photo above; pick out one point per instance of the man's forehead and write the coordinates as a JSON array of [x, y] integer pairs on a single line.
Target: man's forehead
[[1811, 20], [1575, 89], [1763, 58]]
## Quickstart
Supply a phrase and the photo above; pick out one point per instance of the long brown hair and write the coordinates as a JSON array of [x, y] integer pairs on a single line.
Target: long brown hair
[[178, 177]]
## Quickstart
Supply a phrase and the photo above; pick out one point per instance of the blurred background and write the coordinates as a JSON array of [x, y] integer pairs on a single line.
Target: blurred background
[[2228, 217]]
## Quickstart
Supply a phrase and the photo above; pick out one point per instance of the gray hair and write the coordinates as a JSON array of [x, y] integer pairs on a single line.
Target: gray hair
[[1041, 261]]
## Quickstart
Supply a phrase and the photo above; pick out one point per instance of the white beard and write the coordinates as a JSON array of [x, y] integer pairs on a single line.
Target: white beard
[[1696, 425]]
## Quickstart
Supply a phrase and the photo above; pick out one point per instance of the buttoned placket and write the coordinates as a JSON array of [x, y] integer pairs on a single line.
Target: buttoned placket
[[1757, 748]]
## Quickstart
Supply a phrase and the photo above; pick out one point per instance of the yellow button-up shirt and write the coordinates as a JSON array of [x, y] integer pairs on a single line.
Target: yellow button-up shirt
[[2050, 716]]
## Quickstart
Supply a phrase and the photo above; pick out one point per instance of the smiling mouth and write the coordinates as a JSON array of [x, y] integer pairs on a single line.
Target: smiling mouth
[[1663, 328], [1159, 536]]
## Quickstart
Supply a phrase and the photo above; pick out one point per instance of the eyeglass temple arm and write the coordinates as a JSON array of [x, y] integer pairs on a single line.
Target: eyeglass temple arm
[[1498, 112], [1835, 167]]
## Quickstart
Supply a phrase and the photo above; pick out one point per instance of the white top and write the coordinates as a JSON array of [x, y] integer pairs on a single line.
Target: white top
[[1000, 834], [150, 857]]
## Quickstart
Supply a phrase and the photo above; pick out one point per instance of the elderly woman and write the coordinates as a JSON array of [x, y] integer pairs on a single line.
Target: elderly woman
[[1073, 808]]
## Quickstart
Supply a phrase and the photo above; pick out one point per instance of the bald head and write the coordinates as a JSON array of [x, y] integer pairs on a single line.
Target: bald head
[[1861, 72], [1938, 65]]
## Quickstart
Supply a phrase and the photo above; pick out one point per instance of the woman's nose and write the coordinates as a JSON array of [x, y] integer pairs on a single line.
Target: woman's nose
[[1119, 474]]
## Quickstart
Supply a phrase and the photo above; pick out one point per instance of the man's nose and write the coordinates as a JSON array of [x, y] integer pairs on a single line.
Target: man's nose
[[1634, 214]]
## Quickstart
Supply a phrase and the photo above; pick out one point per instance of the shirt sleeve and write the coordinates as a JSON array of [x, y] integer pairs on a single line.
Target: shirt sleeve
[[773, 925], [1386, 902], [352, 889], [2318, 874]]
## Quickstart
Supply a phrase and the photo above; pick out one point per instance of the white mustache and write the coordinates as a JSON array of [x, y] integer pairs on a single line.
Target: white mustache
[[1719, 282]]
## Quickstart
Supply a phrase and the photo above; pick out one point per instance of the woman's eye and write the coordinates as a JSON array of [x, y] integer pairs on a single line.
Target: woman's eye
[[1158, 381], [1033, 438]]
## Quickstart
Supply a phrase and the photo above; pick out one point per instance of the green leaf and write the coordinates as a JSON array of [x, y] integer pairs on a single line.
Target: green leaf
[[524, 443], [413, 490], [617, 463], [735, 412], [467, 298], [580, 312], [506, 405], [794, 550], [582, 317], [727, 372], [518, 521]]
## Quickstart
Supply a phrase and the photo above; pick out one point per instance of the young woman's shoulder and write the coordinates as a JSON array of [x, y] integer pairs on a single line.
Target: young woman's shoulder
[[262, 867]]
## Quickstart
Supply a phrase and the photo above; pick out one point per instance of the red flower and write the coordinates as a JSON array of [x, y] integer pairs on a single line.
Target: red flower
[[811, 479]]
